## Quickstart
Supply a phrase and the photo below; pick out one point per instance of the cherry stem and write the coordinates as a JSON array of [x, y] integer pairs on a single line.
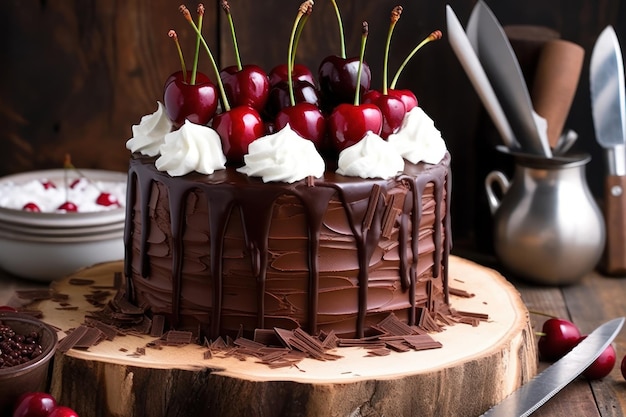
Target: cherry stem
[[304, 10], [357, 91], [540, 313], [194, 70], [297, 38], [342, 38], [183, 9], [229, 16], [67, 164], [432, 37], [172, 34], [395, 16]]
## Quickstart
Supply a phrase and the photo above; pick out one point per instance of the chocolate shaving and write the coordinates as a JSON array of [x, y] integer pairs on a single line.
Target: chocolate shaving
[[378, 352], [72, 338], [460, 293], [81, 281], [92, 337], [158, 325], [34, 295], [371, 207], [177, 338]]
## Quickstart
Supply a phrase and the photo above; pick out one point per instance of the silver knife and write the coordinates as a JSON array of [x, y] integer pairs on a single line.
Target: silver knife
[[608, 106], [496, 54], [532, 395]]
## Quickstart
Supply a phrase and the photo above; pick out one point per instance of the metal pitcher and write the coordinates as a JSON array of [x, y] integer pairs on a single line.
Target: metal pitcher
[[547, 227]]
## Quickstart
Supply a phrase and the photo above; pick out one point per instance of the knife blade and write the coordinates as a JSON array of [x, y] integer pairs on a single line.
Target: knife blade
[[532, 395], [608, 106], [503, 71]]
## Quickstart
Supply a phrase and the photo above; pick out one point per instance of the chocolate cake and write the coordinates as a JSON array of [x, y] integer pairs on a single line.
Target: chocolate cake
[[225, 252]]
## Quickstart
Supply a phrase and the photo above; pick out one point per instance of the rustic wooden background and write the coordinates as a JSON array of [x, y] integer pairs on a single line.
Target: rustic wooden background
[[76, 74]]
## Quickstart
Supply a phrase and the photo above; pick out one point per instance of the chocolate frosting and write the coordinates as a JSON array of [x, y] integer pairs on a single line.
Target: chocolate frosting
[[226, 252]]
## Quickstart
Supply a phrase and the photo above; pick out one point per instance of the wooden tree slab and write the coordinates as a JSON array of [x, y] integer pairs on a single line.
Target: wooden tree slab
[[476, 367]]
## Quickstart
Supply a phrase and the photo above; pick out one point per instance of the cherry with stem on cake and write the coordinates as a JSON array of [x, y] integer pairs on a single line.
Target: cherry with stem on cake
[[189, 95], [348, 123], [244, 84], [558, 337], [392, 108], [306, 119], [338, 76], [407, 96], [237, 127], [292, 81]]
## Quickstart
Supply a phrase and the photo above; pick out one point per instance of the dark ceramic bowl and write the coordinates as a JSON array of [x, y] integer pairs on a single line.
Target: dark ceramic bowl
[[30, 376]]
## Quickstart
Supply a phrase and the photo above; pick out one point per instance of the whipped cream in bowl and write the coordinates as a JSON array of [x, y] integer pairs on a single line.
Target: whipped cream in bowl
[[49, 188], [48, 245], [283, 156]]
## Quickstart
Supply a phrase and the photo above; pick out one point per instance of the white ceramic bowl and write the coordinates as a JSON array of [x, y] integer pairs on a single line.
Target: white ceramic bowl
[[48, 246]]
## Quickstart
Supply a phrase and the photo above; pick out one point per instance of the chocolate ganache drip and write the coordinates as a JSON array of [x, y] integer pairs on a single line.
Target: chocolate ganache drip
[[217, 248]]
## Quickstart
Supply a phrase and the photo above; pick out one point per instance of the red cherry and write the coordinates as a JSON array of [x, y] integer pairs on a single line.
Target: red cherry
[[8, 308], [407, 97], [68, 206], [303, 92], [392, 108], [603, 365], [246, 87], [559, 337], [338, 79], [237, 128], [47, 184], [31, 207], [194, 102], [299, 72], [349, 123], [305, 119], [34, 404], [62, 411], [106, 199]]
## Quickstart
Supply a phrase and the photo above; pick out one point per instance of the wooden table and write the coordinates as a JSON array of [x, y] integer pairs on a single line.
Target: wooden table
[[593, 301]]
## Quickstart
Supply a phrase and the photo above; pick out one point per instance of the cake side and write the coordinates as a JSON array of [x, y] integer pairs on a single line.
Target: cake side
[[330, 253]]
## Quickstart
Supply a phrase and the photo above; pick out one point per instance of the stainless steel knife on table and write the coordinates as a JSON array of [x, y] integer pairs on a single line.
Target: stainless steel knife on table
[[532, 395], [608, 106]]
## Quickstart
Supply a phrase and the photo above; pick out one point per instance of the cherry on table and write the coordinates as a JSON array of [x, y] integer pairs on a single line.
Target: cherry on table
[[559, 337], [603, 365], [34, 404], [623, 367], [62, 411]]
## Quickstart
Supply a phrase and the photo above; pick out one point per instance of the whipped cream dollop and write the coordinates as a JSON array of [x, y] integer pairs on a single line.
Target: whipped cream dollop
[[193, 147], [283, 156], [371, 157], [48, 194], [149, 134], [418, 139]]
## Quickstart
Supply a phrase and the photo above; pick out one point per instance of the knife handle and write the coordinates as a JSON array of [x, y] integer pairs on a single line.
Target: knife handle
[[614, 259]]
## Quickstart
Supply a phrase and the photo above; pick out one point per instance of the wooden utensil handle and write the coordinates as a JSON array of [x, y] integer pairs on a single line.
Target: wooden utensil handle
[[614, 262]]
